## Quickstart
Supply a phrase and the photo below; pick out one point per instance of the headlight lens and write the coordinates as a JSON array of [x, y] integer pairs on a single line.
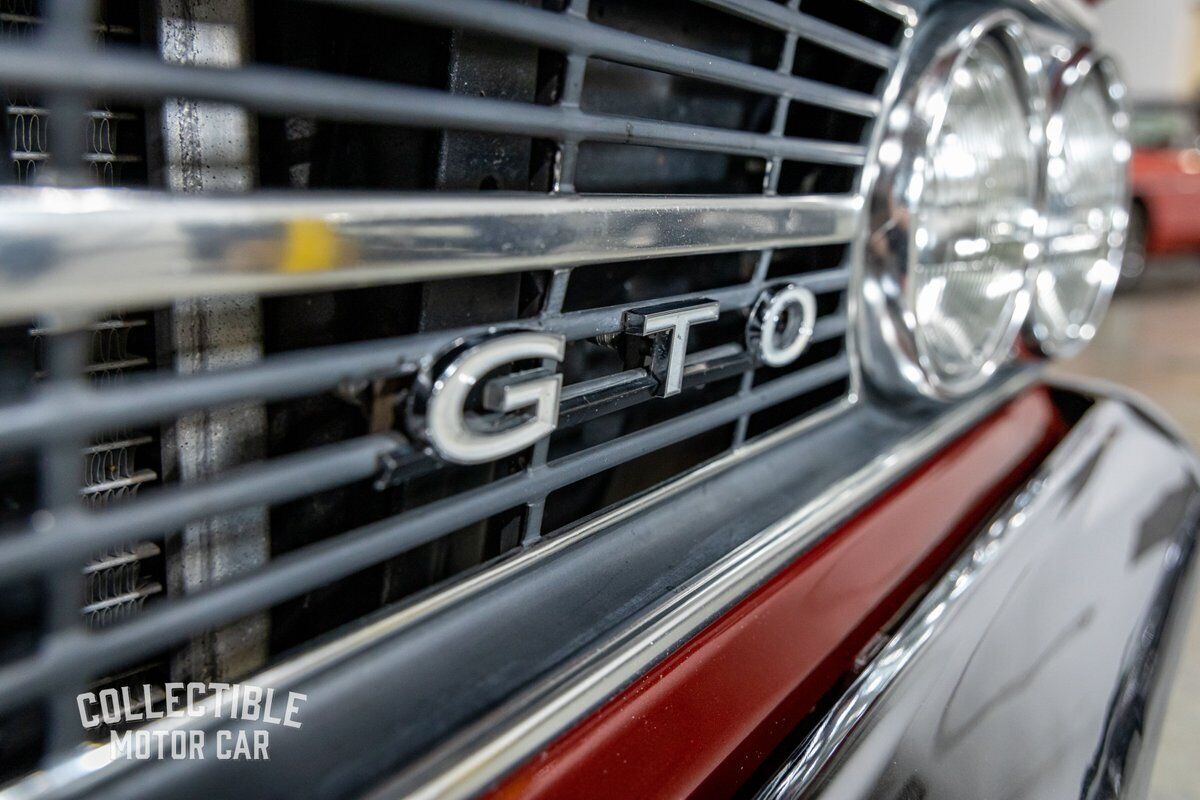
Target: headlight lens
[[1086, 182], [973, 224]]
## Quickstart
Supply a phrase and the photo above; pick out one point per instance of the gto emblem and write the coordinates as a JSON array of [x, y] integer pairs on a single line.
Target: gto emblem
[[524, 405]]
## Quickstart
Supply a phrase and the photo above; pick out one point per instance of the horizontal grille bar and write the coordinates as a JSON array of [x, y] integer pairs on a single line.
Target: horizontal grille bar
[[571, 33], [138, 249], [277, 481], [816, 30], [316, 565], [128, 76]]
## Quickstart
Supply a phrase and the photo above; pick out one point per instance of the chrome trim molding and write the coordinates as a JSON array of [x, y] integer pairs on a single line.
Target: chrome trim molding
[[884, 328], [868, 183], [73, 251], [476, 757], [825, 763]]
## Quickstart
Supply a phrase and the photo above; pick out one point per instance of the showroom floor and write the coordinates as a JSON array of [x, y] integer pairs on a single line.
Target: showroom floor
[[1151, 342]]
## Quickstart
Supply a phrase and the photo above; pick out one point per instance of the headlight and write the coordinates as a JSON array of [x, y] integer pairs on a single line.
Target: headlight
[[973, 224], [954, 217], [1086, 216]]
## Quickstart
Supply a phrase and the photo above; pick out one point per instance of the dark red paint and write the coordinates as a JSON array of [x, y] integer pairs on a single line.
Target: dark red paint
[[701, 722]]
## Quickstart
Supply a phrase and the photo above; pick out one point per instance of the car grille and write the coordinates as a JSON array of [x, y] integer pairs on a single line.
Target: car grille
[[443, 168]]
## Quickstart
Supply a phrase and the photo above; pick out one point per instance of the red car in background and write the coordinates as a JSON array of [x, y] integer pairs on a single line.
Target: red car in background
[[1166, 185]]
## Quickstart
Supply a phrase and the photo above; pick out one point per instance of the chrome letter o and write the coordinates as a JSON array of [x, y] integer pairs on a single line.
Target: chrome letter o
[[781, 324]]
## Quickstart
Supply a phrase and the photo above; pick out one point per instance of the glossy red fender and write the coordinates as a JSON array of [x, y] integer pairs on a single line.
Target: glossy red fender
[[704, 719]]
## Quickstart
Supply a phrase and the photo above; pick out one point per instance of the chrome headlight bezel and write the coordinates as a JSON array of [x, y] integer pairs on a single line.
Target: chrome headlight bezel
[[886, 335], [1072, 76]]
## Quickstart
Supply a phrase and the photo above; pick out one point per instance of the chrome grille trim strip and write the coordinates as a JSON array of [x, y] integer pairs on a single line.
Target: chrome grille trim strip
[[88, 249]]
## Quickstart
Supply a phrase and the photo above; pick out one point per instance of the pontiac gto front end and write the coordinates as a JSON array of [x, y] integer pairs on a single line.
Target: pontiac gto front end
[[572, 398]]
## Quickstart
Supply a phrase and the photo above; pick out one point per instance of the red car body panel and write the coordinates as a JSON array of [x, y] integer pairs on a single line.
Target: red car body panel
[[703, 720], [1167, 182]]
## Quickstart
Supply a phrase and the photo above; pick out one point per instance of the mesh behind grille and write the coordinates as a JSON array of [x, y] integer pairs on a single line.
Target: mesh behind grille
[[675, 98]]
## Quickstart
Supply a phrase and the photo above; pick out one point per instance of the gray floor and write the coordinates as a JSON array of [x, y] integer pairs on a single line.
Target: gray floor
[[1151, 342]]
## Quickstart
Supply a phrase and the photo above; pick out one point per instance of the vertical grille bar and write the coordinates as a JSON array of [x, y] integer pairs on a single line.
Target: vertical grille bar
[[66, 359], [534, 510], [571, 94], [68, 29], [771, 184], [568, 159]]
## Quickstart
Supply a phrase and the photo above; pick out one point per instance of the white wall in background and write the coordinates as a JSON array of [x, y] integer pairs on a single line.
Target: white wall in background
[[1153, 40]]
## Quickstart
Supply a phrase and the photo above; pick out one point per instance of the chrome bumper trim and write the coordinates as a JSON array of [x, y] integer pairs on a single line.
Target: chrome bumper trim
[[961, 696], [72, 251]]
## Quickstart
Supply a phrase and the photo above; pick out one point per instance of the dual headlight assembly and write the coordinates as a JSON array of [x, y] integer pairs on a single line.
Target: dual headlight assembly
[[998, 209]]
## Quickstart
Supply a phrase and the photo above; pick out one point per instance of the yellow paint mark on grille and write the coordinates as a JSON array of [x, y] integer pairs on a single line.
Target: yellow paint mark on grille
[[310, 245]]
